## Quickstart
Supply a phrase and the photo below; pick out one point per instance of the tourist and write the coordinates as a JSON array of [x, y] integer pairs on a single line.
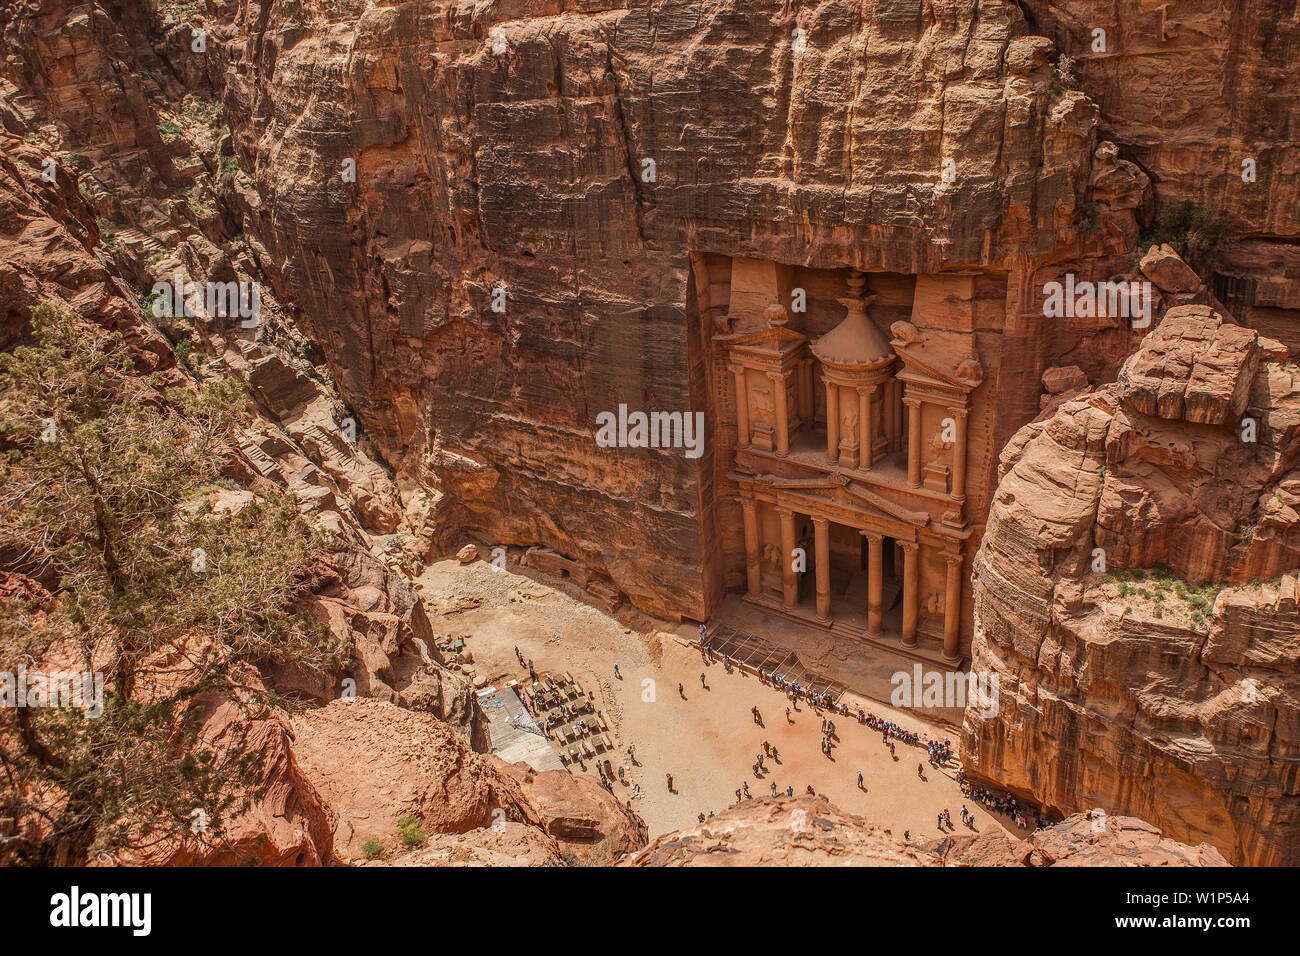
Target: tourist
[[670, 782], [776, 756], [767, 748], [860, 785], [920, 771], [745, 786], [789, 791], [681, 691], [811, 791], [702, 682], [617, 675], [774, 789], [737, 794], [788, 718]]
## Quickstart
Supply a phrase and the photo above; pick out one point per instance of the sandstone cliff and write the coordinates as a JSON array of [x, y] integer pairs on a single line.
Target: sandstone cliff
[[1136, 594]]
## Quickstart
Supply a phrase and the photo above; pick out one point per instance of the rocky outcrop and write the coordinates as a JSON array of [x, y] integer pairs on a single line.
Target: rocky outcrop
[[285, 821], [810, 831], [590, 824], [375, 763], [511, 844], [1136, 596]]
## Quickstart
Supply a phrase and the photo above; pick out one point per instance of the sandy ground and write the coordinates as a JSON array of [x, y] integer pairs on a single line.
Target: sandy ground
[[705, 737]]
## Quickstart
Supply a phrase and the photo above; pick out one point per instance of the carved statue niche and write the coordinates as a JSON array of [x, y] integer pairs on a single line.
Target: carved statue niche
[[849, 417], [760, 405]]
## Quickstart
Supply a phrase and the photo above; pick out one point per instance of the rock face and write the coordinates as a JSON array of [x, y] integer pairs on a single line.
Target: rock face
[[810, 831], [1135, 594], [536, 194]]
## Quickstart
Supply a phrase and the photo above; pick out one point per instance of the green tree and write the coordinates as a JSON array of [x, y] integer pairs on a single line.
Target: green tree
[[105, 497]]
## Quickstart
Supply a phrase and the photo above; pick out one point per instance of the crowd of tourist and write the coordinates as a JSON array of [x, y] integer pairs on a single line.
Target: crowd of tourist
[[940, 752], [1003, 803]]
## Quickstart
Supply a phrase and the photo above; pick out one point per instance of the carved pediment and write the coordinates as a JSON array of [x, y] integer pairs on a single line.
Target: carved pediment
[[945, 358]]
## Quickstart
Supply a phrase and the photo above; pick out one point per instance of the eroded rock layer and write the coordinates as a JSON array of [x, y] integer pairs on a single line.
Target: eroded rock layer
[[1136, 595], [810, 831]]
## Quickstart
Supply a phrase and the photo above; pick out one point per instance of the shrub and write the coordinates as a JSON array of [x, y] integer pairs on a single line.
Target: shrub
[[410, 830]]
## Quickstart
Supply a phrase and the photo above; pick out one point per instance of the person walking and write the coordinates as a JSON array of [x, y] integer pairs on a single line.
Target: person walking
[[617, 675], [860, 786], [670, 782]]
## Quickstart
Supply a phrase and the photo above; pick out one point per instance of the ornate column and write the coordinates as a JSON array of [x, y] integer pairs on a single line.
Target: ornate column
[[895, 403], [809, 399], [789, 582], [800, 390], [742, 406], [832, 421], [864, 426], [911, 591], [782, 414], [913, 441], [875, 580], [952, 609], [959, 454], [753, 570], [821, 531]]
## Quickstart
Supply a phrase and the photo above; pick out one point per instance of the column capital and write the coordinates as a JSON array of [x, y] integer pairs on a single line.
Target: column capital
[[820, 523], [912, 401], [783, 511], [954, 559], [875, 537], [774, 376], [735, 368], [909, 545], [958, 411]]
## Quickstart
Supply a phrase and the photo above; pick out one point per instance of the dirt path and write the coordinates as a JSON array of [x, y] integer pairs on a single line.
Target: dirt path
[[706, 739]]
